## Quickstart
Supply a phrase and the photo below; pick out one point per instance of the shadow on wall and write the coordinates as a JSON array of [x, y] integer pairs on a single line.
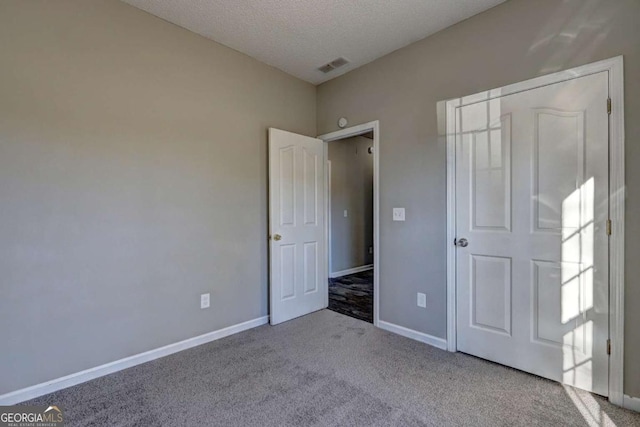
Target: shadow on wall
[[573, 33]]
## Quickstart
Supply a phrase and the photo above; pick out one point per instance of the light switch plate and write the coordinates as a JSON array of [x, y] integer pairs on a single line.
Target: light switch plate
[[398, 214], [205, 300], [422, 300]]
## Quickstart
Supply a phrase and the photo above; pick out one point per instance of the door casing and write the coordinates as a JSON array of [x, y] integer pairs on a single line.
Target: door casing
[[373, 126], [614, 69]]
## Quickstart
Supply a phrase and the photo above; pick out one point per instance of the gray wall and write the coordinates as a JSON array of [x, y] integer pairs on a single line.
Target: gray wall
[[133, 177], [515, 41], [351, 190]]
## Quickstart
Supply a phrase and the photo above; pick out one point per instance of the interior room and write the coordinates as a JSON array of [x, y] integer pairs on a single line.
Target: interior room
[[295, 212], [350, 201]]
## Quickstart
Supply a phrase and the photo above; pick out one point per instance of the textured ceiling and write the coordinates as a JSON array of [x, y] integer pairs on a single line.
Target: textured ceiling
[[298, 36]]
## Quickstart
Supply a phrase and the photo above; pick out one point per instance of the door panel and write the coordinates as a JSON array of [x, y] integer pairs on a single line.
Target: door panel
[[532, 200], [491, 293], [287, 272], [296, 210], [286, 186], [311, 187], [311, 267], [559, 164], [491, 180]]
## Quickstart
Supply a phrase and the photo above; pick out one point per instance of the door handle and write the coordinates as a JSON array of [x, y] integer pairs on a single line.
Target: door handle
[[463, 243], [277, 237]]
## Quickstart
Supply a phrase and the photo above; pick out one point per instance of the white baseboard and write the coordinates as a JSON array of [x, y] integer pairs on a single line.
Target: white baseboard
[[632, 403], [118, 365], [353, 270], [414, 335]]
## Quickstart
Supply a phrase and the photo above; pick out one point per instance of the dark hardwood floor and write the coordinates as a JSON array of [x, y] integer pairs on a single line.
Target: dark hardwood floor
[[352, 295]]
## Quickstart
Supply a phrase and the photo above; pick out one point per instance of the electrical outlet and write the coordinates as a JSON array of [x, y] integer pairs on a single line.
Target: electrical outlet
[[370, 249], [205, 300], [346, 213], [398, 214], [422, 300]]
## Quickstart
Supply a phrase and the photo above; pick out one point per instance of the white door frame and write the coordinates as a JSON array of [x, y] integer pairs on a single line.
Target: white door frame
[[614, 69], [328, 215], [374, 127]]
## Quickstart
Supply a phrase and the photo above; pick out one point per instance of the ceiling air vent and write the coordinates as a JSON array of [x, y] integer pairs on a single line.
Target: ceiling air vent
[[336, 63]]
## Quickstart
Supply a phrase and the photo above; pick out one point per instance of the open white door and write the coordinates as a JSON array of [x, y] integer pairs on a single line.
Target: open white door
[[296, 225]]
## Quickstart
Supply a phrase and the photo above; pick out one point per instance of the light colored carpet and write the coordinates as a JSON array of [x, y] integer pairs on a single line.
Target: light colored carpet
[[327, 369]]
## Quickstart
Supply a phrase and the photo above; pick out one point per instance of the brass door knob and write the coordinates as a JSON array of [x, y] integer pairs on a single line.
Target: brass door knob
[[277, 237]]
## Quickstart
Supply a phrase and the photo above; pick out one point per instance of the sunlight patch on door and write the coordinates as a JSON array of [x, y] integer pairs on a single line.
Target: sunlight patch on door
[[577, 285]]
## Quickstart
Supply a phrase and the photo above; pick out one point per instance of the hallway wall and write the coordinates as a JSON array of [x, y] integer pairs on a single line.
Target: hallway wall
[[351, 190]]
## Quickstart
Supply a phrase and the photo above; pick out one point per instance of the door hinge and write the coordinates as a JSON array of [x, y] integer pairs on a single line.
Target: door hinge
[[609, 346], [608, 105], [608, 227]]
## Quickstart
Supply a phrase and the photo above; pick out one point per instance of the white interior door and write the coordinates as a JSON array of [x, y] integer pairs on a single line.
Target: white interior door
[[532, 203], [297, 225]]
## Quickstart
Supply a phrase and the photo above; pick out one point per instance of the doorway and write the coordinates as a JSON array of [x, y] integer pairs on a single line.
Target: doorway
[[352, 221], [536, 224], [299, 221], [350, 213]]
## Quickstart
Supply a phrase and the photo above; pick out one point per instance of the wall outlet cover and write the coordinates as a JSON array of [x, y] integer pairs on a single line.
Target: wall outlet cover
[[398, 214]]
